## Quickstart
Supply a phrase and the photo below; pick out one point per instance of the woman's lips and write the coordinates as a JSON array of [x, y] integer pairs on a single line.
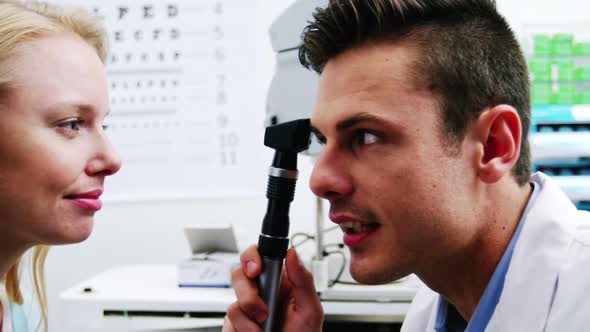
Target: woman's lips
[[90, 204], [88, 200]]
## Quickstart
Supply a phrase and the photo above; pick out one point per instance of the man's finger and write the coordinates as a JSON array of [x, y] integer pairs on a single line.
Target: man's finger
[[239, 321], [248, 298], [251, 261], [227, 326], [301, 281]]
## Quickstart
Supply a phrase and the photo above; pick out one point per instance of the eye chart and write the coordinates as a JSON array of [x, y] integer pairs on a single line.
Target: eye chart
[[183, 117]]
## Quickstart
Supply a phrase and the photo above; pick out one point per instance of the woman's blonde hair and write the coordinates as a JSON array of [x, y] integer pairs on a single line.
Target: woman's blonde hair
[[20, 22]]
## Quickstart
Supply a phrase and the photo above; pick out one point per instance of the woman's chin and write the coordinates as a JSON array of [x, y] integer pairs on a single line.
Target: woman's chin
[[76, 233]]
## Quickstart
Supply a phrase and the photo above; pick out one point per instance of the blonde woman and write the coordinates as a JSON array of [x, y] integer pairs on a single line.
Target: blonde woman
[[54, 155]]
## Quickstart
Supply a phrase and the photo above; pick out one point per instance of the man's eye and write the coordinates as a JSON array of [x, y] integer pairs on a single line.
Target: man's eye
[[71, 125], [364, 137], [319, 139]]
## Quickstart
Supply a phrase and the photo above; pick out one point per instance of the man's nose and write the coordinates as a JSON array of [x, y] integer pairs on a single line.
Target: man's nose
[[330, 178]]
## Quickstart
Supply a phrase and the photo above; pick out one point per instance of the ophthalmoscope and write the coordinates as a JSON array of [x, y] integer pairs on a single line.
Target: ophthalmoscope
[[287, 139]]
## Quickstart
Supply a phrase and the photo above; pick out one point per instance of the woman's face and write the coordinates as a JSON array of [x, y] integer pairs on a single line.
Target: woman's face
[[54, 155]]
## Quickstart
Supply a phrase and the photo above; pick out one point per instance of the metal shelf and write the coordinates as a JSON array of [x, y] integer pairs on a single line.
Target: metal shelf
[[560, 145]]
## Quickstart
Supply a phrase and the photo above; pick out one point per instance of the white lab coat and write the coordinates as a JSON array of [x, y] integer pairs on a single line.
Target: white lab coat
[[547, 286]]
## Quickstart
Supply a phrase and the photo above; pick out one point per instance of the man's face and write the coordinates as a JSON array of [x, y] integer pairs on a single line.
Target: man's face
[[395, 187]]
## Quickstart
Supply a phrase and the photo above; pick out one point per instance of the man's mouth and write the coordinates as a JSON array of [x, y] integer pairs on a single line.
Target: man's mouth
[[355, 227]]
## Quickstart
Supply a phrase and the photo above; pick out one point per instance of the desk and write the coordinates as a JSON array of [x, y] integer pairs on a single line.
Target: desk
[[141, 297]]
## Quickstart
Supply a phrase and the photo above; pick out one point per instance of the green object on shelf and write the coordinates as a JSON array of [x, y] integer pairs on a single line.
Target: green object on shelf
[[541, 94], [562, 44], [540, 70], [542, 88], [542, 45], [565, 70], [541, 100], [582, 49], [583, 97], [582, 74], [566, 95]]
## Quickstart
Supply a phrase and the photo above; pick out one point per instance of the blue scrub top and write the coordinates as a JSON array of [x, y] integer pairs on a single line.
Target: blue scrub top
[[20, 322], [448, 318]]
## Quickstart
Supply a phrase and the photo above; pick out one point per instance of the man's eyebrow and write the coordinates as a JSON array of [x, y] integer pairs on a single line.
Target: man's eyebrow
[[355, 120], [351, 122]]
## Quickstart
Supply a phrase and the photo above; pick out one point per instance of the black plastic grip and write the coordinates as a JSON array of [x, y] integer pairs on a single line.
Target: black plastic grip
[[274, 248], [280, 188]]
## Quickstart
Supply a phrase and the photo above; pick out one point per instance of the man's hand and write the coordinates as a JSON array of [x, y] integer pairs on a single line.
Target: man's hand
[[300, 306]]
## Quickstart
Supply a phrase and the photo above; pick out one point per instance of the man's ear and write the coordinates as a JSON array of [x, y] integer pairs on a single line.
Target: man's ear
[[498, 132]]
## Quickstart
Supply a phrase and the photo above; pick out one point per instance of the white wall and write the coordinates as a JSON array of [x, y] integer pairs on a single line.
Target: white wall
[[544, 11], [136, 233]]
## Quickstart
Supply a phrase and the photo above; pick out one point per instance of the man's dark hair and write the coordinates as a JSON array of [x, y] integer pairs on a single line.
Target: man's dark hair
[[469, 56]]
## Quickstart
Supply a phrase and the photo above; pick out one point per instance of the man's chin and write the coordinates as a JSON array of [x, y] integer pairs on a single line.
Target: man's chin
[[369, 276]]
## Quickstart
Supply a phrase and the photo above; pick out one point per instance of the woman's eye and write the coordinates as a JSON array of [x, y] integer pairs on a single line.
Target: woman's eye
[[71, 125], [364, 137]]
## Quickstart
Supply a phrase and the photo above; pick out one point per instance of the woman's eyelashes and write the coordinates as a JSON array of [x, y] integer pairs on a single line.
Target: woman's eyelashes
[[71, 126]]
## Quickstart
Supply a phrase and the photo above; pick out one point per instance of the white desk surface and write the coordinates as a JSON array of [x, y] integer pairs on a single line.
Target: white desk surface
[[153, 288]]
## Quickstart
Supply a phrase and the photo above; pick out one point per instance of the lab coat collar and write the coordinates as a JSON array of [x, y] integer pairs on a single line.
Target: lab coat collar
[[538, 256]]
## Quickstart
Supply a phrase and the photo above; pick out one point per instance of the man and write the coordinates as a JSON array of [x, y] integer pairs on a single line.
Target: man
[[423, 109]]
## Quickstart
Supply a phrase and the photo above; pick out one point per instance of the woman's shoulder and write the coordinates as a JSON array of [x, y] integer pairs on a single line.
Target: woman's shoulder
[[16, 317], [6, 312], [20, 317]]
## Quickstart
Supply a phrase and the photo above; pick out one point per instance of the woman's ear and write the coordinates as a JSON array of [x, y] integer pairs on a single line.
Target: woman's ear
[[498, 132]]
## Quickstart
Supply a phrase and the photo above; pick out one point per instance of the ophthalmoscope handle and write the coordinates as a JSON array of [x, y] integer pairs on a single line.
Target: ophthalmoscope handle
[[273, 243], [269, 284]]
